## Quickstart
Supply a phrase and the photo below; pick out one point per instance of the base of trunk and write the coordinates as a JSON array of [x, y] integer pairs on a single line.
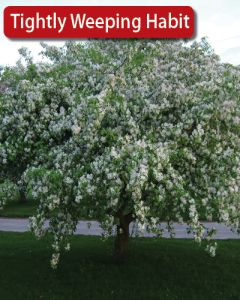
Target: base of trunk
[[122, 238], [121, 244]]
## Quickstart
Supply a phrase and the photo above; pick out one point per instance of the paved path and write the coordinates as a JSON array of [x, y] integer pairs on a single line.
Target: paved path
[[21, 225]]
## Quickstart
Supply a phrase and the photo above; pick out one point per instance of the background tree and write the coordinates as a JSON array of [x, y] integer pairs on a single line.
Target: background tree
[[122, 131]]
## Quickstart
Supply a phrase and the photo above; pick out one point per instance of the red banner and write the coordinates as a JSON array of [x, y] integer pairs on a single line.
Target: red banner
[[98, 22]]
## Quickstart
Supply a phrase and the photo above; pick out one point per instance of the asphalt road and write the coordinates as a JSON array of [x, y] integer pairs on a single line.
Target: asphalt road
[[21, 225]]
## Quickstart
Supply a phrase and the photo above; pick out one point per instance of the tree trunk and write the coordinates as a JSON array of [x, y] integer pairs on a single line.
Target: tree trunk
[[122, 238]]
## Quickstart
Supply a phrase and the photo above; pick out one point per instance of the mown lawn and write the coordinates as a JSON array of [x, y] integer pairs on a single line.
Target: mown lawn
[[19, 209], [26, 209], [16, 209], [155, 269]]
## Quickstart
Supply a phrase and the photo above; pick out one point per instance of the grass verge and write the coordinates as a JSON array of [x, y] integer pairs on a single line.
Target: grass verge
[[155, 269], [19, 209]]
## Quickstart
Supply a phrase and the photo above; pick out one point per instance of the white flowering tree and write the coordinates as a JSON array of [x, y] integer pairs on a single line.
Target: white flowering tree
[[121, 131]]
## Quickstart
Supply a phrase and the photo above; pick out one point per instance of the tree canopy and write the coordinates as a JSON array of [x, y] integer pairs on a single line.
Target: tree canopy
[[121, 131]]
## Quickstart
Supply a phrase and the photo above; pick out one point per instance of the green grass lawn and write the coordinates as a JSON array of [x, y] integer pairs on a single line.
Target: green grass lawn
[[155, 269], [26, 209], [19, 209], [22, 210]]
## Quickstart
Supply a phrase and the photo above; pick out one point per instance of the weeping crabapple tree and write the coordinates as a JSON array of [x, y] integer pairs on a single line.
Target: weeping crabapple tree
[[122, 131]]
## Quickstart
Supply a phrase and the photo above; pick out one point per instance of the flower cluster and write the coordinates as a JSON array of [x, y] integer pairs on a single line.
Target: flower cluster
[[8, 192]]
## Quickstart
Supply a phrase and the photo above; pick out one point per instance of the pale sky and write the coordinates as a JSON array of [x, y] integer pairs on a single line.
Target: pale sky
[[219, 20]]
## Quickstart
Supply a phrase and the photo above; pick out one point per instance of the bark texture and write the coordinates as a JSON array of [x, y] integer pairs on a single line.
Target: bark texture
[[122, 238]]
